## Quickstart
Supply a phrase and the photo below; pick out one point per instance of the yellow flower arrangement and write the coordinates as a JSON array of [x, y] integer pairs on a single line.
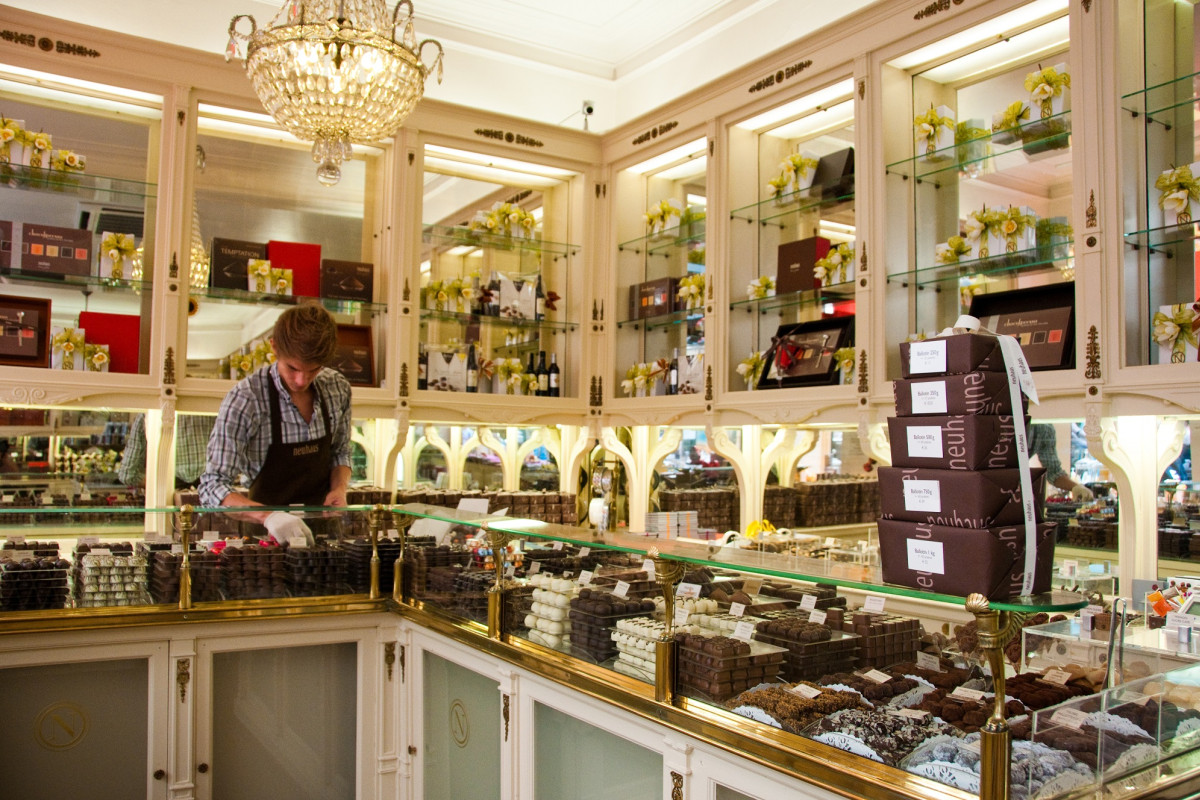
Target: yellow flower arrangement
[[95, 356], [259, 270], [505, 219], [956, 247], [1012, 116], [844, 356], [10, 133], [67, 343], [638, 379], [1044, 85], [691, 290], [761, 287], [759, 527], [118, 247], [751, 367], [834, 266], [1178, 188], [1177, 331], [40, 144], [927, 126]]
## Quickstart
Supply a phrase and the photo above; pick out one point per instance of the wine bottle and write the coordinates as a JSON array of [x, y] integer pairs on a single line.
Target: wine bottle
[[673, 374], [422, 370], [543, 375], [493, 305], [539, 300], [532, 370], [472, 370], [553, 375]]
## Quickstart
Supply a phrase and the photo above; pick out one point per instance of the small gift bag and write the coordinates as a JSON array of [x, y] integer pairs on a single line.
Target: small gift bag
[[1007, 123], [934, 131], [116, 255], [95, 357], [1176, 332], [67, 348], [1179, 194], [281, 281], [691, 374], [258, 275], [12, 141]]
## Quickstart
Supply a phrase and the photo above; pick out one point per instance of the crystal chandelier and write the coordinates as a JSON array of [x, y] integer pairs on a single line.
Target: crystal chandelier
[[335, 72]]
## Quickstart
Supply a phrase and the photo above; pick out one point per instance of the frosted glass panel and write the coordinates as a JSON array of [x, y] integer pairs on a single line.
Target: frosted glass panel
[[462, 733], [725, 793], [69, 726], [284, 723], [574, 759]]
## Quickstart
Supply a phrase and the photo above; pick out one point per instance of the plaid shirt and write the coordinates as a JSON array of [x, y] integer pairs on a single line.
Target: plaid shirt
[[239, 442], [191, 441]]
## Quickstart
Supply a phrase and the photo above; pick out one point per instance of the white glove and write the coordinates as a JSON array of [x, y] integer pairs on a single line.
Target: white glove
[[283, 526], [1082, 494]]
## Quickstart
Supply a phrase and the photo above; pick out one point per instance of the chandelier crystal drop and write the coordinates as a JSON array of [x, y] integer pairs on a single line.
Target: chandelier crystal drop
[[336, 72]]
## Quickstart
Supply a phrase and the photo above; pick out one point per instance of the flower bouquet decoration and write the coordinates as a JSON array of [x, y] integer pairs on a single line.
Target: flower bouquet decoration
[[1178, 193], [1175, 332], [835, 266], [38, 147], [510, 375], [258, 272], [1006, 124], [796, 174], [65, 163], [1045, 87], [1019, 229], [505, 219], [95, 357], [761, 287], [638, 380], [934, 132], [663, 216], [951, 250], [844, 356], [116, 253], [751, 368], [434, 296], [691, 291], [12, 141], [281, 281], [984, 229], [67, 345]]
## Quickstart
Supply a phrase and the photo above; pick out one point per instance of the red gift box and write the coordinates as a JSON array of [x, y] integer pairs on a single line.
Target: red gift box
[[304, 260], [122, 334]]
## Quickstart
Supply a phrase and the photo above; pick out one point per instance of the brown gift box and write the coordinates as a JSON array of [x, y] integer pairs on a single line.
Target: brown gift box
[[990, 561], [652, 298], [957, 498], [347, 280], [967, 442], [49, 250], [951, 355], [794, 269], [973, 393]]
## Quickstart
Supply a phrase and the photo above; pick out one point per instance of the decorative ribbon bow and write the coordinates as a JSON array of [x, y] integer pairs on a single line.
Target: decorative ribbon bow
[[1177, 188], [10, 132], [68, 342], [1012, 116], [1046, 84], [118, 247], [1178, 330], [96, 357]]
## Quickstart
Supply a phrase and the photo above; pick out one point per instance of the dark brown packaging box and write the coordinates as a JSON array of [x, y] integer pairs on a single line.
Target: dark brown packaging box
[[6, 244], [347, 280], [48, 250], [229, 262], [973, 393], [794, 270], [951, 355], [957, 498], [967, 442], [960, 561], [652, 298]]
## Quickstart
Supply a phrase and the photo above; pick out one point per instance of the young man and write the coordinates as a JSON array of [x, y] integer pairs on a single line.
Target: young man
[[286, 428]]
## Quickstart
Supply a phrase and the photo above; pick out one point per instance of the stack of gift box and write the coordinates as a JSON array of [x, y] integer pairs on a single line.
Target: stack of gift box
[[952, 519]]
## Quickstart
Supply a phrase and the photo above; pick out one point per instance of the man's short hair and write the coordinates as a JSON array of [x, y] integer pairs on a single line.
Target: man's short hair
[[305, 333]]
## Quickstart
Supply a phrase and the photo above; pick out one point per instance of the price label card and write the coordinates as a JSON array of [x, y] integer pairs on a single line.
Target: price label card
[[177, 549], [209, 536], [1094, 609], [622, 589], [690, 590], [648, 567], [85, 494], [925, 441], [21, 540], [927, 357], [1070, 717], [1061, 677], [874, 604], [804, 690], [1177, 620], [298, 542], [585, 577], [737, 609], [930, 662], [681, 616], [744, 630], [556, 546], [817, 615], [877, 676], [534, 568], [7, 498], [924, 555], [831, 541], [929, 397], [101, 551], [922, 496], [584, 552], [47, 499], [909, 713], [752, 585], [961, 693], [808, 602], [510, 570]]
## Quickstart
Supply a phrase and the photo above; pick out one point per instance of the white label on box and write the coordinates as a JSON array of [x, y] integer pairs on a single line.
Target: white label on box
[[510, 570], [877, 676], [926, 556], [808, 602], [691, 590], [85, 494], [926, 357], [209, 536], [1071, 717], [744, 630], [585, 577], [929, 397], [298, 542], [681, 616], [737, 609], [752, 585], [177, 548], [910, 713], [804, 690], [922, 496], [584, 552], [8, 498], [817, 615], [831, 541], [1177, 620], [21, 540], [873, 604], [622, 589], [925, 441], [534, 568], [929, 662], [648, 567], [962, 693], [556, 546], [1061, 677], [1094, 609]]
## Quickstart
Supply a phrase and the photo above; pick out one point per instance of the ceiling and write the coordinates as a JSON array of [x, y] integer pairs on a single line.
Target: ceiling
[[537, 59]]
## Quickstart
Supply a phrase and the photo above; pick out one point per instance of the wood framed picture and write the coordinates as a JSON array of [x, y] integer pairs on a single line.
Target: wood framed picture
[[1041, 318], [802, 354], [25, 331], [355, 354]]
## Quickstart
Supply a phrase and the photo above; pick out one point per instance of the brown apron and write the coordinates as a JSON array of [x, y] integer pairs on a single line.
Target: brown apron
[[295, 472]]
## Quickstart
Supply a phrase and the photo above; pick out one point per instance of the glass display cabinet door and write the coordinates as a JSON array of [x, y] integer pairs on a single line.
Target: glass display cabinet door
[[984, 166], [793, 240], [500, 306], [661, 278], [462, 726], [264, 236], [77, 206]]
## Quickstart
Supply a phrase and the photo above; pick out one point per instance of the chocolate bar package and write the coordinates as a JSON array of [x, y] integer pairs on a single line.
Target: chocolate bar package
[[230, 258], [951, 355], [652, 298], [970, 441], [347, 280], [957, 498], [972, 393], [48, 250], [961, 561]]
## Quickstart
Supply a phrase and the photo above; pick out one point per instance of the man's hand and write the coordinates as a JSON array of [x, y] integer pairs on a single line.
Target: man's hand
[[1082, 494], [284, 527]]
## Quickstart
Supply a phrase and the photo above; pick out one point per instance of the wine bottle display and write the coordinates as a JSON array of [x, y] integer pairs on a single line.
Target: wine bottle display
[[673, 374], [422, 370], [472, 370], [543, 375], [553, 375]]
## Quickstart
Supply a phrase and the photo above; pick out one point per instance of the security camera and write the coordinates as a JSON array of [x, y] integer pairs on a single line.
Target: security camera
[[589, 108]]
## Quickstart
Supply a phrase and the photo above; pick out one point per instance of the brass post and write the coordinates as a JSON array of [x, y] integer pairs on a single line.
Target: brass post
[[185, 567], [497, 541], [996, 629], [401, 522], [375, 522], [667, 574]]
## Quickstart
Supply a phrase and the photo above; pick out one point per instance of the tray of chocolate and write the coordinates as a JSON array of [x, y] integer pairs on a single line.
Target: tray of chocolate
[[947, 676], [636, 639], [965, 712], [1036, 692], [111, 575], [32, 583], [252, 571], [756, 604], [433, 569], [813, 650], [317, 570], [358, 563], [470, 593], [719, 667], [876, 692], [594, 615], [639, 584], [884, 736], [793, 708], [1037, 771], [203, 566], [826, 596], [885, 638], [1107, 742]]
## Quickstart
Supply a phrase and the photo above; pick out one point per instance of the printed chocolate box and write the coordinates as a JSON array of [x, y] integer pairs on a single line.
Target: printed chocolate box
[[966, 442], [951, 355], [55, 251], [347, 280], [959, 561], [972, 393], [954, 497]]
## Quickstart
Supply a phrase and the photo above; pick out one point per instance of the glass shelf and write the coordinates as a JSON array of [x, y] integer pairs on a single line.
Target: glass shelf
[[1031, 139], [85, 283], [1032, 260], [98, 188], [1162, 237], [660, 243], [241, 296], [665, 320], [1164, 97], [834, 293], [457, 236], [467, 318], [771, 209], [778, 565]]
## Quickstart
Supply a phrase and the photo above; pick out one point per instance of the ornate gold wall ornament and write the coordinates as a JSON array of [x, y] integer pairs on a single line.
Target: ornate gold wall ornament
[[655, 132], [403, 678], [508, 137], [1093, 373], [183, 675], [504, 713], [389, 658], [862, 258], [708, 384], [404, 379], [407, 292], [173, 270], [169, 366], [863, 386], [1087, 6], [595, 312], [862, 88], [676, 786], [1091, 209]]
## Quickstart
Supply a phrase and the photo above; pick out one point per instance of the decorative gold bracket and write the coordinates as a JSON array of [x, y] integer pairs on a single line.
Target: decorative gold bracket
[[497, 540], [676, 786], [186, 513], [183, 676], [504, 711], [401, 522], [667, 574], [996, 629]]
